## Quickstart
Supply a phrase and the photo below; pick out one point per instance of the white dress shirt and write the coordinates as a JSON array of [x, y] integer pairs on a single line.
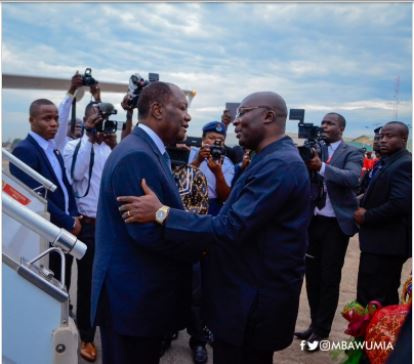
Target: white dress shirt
[[88, 204], [49, 148], [61, 137], [154, 137], [227, 169], [327, 210]]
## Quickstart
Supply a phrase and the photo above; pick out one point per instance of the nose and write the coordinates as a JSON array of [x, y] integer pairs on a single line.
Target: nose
[[188, 117]]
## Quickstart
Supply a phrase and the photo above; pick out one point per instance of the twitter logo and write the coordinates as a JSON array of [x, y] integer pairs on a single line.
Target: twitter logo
[[311, 346]]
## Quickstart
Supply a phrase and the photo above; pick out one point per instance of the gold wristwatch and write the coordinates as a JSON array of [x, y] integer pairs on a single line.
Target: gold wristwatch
[[162, 214]]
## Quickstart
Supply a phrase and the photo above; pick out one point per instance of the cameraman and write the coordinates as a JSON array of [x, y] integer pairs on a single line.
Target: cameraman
[[339, 167], [216, 166], [66, 132], [84, 160]]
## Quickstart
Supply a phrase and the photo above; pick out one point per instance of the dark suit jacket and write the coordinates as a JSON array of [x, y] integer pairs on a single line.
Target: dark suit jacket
[[255, 264], [387, 226], [30, 152], [147, 279], [342, 179]]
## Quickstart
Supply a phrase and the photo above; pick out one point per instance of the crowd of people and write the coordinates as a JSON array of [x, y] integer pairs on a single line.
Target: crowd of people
[[210, 238]]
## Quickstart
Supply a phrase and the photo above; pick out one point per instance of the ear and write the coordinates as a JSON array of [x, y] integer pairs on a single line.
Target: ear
[[157, 110], [270, 117]]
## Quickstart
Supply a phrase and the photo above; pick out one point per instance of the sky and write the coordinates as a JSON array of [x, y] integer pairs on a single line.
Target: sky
[[323, 57]]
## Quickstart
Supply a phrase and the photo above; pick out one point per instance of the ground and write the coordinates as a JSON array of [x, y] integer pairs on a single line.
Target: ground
[[180, 352]]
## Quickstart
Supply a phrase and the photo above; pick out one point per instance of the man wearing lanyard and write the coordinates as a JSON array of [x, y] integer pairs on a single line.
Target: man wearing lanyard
[[84, 160], [331, 227]]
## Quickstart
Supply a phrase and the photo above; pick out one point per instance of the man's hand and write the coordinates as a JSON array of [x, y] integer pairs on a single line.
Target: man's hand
[[75, 83], [139, 209], [90, 123], [77, 227], [126, 103], [96, 92], [359, 215], [315, 164]]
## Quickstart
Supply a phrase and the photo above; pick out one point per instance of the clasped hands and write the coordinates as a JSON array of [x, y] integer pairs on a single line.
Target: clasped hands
[[140, 209]]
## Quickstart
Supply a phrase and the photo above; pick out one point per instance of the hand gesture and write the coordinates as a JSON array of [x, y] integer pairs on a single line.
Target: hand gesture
[[139, 209]]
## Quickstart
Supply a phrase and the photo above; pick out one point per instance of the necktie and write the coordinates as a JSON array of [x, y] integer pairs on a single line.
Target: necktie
[[167, 160]]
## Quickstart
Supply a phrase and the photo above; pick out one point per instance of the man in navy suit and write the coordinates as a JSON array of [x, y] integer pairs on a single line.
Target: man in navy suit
[[256, 244], [385, 220], [141, 281], [39, 152]]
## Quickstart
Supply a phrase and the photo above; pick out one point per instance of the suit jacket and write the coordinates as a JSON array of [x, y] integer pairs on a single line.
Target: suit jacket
[[387, 226], [342, 180], [30, 152], [146, 278], [254, 269]]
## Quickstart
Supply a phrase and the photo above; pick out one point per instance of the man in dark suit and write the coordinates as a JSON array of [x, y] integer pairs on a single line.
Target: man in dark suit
[[255, 263], [331, 227], [39, 152], [385, 220], [141, 282]]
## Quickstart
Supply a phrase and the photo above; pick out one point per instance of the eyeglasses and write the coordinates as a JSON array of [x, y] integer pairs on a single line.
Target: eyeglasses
[[244, 110]]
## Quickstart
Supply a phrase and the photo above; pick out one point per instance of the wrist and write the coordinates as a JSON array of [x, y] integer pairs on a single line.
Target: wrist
[[161, 214]]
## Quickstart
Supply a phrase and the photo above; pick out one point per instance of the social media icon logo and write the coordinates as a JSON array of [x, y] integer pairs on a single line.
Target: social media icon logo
[[312, 345]]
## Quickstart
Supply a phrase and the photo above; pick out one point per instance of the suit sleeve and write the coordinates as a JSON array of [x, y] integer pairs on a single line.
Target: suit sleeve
[[265, 193], [126, 181], [399, 200], [348, 176]]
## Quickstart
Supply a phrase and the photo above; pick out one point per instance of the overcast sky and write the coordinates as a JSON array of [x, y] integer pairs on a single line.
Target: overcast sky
[[342, 57]]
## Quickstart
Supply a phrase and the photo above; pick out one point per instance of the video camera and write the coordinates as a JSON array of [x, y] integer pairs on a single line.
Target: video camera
[[311, 133], [87, 79], [217, 150], [135, 86], [106, 126]]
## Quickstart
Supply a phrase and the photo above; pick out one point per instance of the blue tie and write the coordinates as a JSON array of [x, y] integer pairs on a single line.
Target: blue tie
[[167, 160]]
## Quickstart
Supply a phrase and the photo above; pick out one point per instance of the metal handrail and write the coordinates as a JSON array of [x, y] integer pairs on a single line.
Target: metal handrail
[[59, 237], [28, 170]]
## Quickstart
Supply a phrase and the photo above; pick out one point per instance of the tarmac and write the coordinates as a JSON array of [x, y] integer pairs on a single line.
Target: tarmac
[[180, 353]]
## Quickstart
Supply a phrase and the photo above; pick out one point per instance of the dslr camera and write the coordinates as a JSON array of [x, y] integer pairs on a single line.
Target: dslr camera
[[217, 150], [311, 133], [135, 86], [87, 79], [106, 126]]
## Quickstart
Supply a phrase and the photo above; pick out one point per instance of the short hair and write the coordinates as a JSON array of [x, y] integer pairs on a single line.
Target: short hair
[[341, 119], [377, 130], [89, 107], [154, 92], [34, 106], [405, 131]]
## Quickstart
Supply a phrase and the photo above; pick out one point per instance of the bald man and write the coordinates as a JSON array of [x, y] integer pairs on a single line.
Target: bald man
[[256, 244], [385, 220]]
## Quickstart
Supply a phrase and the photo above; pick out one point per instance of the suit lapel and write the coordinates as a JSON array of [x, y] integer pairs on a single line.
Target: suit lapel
[[338, 152], [45, 159], [167, 173]]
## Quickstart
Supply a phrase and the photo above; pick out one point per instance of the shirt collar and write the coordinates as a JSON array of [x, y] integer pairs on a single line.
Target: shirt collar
[[335, 145], [154, 137], [43, 143]]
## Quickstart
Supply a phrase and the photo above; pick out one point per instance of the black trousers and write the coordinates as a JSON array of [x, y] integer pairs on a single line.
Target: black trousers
[[379, 278], [224, 353], [324, 261], [83, 305], [196, 324]]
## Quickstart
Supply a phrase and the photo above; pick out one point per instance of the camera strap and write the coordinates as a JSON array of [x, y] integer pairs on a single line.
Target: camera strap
[[72, 168], [73, 116]]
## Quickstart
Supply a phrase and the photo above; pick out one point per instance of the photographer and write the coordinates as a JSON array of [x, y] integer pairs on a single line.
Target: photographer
[[84, 159], [67, 130], [216, 166], [332, 224]]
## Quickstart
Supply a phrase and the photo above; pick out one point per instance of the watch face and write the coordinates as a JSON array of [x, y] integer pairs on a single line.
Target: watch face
[[160, 214]]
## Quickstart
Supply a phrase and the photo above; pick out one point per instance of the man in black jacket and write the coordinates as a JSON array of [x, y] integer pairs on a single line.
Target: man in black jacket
[[385, 220]]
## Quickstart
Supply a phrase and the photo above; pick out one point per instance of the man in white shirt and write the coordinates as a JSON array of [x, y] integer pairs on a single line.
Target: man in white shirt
[[84, 160], [331, 227], [216, 166]]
